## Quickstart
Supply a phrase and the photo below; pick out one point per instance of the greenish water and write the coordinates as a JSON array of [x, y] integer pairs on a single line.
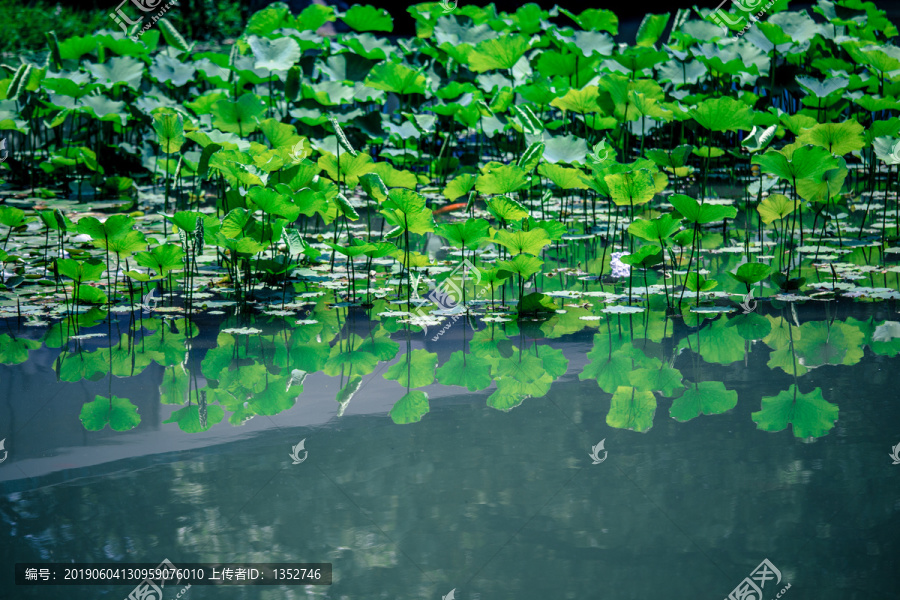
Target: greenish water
[[486, 502]]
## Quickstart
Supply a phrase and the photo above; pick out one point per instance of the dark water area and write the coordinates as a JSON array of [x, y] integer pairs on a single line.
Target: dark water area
[[488, 503]]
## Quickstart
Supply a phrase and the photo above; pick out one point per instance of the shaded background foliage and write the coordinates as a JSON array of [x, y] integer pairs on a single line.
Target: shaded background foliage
[[218, 21]]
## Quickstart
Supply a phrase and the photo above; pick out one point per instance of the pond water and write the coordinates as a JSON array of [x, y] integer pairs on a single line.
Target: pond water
[[468, 497]]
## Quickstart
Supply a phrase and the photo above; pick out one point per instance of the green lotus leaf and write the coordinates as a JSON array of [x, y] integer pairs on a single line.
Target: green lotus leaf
[[656, 230], [118, 70], [74, 367], [344, 207], [525, 120], [52, 219], [406, 209], [633, 187], [651, 29], [518, 242], [503, 179], [75, 47], [751, 326], [169, 128], [824, 343], [374, 186], [282, 135], [533, 303], [12, 216], [396, 78], [694, 212], [526, 371], [369, 46], [696, 282], [645, 256], [638, 58], [751, 272], [703, 398], [329, 93], [555, 230], [346, 393], [352, 359], [631, 409], [468, 235], [273, 203], [717, 343], [509, 394], [809, 414], [595, 19], [837, 138], [314, 16], [522, 265], [663, 379], [395, 177], [501, 52], [241, 116], [348, 170], [887, 149], [565, 178], [459, 186], [162, 259], [194, 419], [14, 350], [414, 370], [825, 187], [104, 109], [506, 209], [723, 114], [410, 408], [347, 67], [823, 89], [775, 207], [167, 69], [796, 162], [581, 101], [368, 18], [759, 138], [466, 370], [565, 149], [279, 54], [80, 271], [119, 413], [267, 20], [531, 157]]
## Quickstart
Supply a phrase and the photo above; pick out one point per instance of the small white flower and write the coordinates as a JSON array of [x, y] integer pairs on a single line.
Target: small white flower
[[619, 269]]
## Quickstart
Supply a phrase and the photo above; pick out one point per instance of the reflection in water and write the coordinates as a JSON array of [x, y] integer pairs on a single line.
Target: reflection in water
[[470, 494], [259, 368]]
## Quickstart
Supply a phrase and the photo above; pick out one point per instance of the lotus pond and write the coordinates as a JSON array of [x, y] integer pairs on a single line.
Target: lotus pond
[[511, 308]]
